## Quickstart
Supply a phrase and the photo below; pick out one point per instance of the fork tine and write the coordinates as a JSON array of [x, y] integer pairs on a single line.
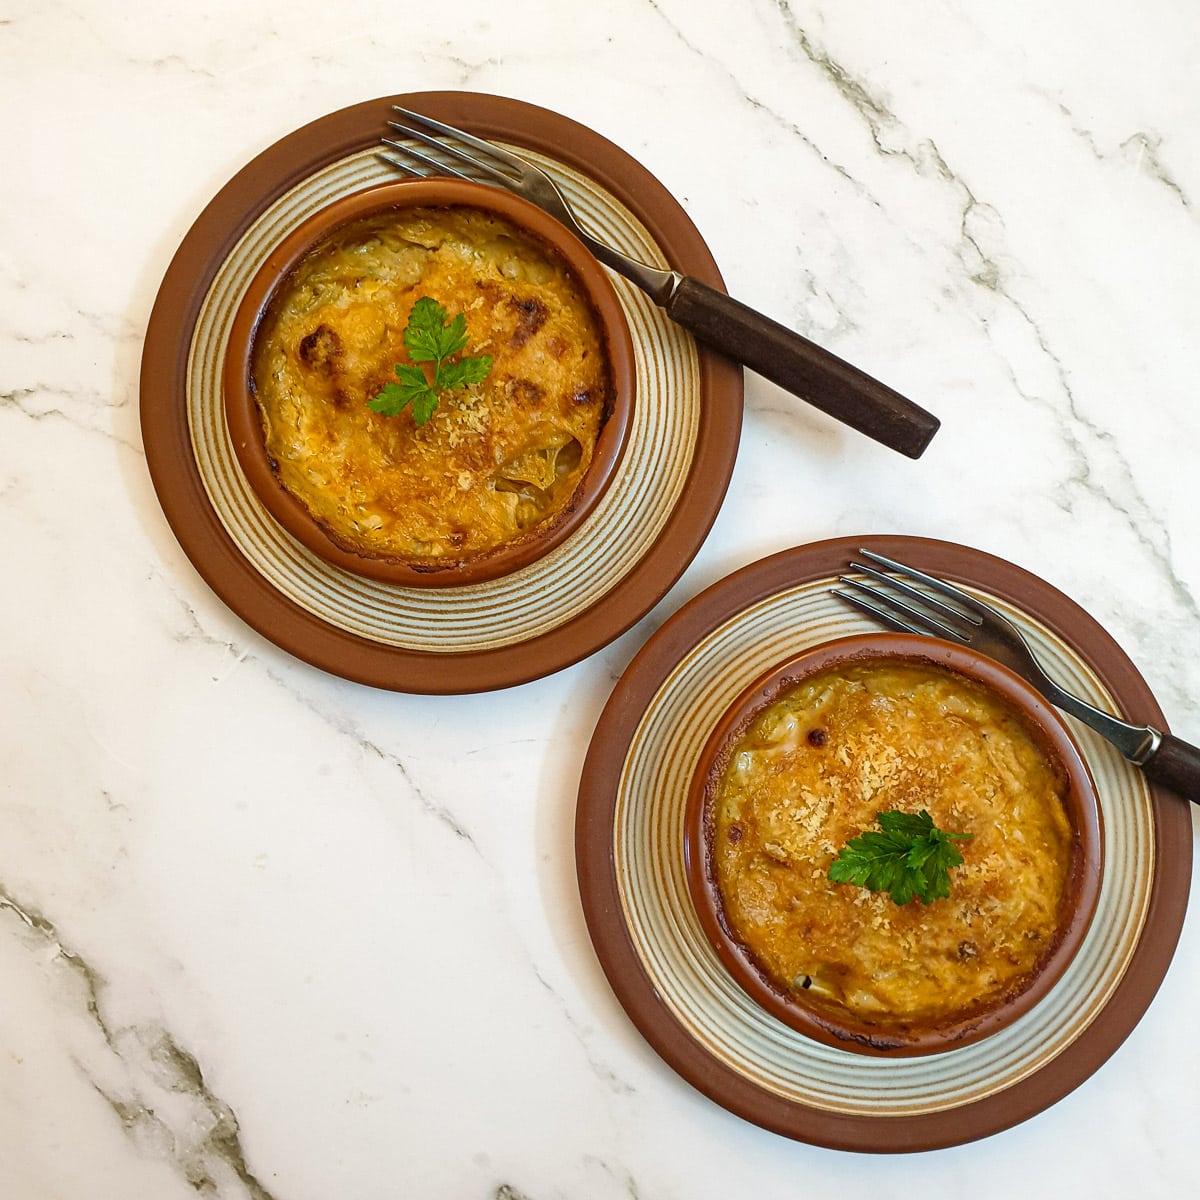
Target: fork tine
[[434, 164], [884, 614], [489, 166], [901, 584], [397, 165], [457, 152], [888, 608], [939, 585], [461, 135]]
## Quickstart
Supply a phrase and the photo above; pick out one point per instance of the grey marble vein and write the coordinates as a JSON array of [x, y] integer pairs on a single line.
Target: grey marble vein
[[58, 398], [875, 113], [194, 631], [41, 339], [468, 70], [439, 811], [170, 62], [980, 225], [1086, 440], [794, 130], [797, 133], [601, 1070], [621, 1176], [72, 407], [16, 397], [208, 1150], [891, 138], [506, 1191], [1142, 149], [342, 725]]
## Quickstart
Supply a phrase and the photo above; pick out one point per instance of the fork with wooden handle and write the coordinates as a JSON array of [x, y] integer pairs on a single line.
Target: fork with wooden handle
[[900, 596], [720, 322]]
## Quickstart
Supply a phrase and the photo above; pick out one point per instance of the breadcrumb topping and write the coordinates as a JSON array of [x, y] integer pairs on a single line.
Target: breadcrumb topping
[[497, 461], [892, 735]]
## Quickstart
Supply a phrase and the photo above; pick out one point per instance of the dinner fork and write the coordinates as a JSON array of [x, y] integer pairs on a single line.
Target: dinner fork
[[720, 322], [900, 596]]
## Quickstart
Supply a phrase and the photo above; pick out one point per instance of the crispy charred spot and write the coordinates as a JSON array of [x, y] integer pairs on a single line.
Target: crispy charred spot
[[967, 951], [531, 316], [491, 290], [817, 737], [556, 346], [866, 1040], [321, 350], [735, 834], [525, 390], [581, 396]]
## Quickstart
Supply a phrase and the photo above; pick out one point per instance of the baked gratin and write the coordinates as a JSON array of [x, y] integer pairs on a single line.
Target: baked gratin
[[500, 462], [813, 768]]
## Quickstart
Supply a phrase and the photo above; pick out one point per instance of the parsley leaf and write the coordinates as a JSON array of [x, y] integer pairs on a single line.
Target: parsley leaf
[[464, 371], [430, 337], [413, 389], [909, 857]]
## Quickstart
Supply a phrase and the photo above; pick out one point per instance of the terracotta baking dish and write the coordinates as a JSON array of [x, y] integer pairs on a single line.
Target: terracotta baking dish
[[823, 1015], [246, 422]]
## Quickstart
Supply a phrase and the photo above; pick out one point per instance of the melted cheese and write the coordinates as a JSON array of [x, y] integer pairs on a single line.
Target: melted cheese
[[499, 462], [816, 767]]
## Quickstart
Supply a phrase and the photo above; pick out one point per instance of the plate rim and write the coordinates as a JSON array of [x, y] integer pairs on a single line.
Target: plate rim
[[217, 556], [600, 896]]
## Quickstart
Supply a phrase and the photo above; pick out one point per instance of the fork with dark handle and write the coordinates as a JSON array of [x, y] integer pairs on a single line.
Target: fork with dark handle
[[720, 322], [1163, 757]]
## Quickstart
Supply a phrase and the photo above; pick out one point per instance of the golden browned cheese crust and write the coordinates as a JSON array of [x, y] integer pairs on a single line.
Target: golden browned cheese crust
[[498, 461], [816, 767]]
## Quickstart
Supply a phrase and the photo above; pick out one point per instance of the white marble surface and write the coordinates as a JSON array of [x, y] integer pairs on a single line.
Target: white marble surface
[[266, 933]]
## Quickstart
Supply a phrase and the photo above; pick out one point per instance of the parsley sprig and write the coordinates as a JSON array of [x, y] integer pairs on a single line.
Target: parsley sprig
[[908, 857], [430, 337]]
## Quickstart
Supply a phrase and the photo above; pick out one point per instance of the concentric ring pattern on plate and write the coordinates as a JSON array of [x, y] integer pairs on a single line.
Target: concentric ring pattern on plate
[[543, 596], [684, 970]]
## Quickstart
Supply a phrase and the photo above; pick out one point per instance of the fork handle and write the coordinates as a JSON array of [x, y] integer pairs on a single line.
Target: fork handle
[[801, 366], [1175, 764]]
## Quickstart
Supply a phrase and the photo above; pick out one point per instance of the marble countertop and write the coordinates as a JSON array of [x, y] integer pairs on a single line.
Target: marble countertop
[[234, 889]]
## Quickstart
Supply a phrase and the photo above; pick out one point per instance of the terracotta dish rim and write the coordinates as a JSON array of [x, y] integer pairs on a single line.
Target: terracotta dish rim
[[243, 417]]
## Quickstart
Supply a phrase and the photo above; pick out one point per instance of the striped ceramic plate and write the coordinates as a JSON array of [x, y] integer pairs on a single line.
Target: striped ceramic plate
[[593, 587], [526, 604], [769, 1072]]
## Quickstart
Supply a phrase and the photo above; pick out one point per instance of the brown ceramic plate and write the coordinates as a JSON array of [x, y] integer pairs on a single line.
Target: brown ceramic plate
[[664, 971], [636, 543]]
